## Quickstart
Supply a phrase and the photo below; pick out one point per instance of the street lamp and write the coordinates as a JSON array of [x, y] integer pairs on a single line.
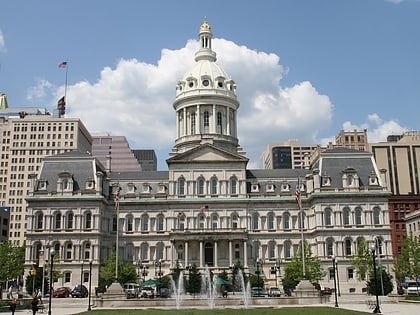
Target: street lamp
[[145, 269], [338, 280], [90, 281], [32, 272], [274, 270], [159, 264], [377, 309], [335, 282], [81, 274], [52, 253]]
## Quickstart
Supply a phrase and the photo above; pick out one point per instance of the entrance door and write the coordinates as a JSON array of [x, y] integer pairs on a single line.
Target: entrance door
[[208, 254]]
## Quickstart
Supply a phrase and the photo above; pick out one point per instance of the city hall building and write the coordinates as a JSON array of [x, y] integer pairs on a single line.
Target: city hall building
[[208, 209]]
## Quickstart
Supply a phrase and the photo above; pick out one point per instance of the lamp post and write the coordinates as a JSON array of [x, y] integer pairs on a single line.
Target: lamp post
[[81, 274], [274, 270], [159, 263], [377, 309], [90, 281], [52, 253], [338, 280], [144, 268], [32, 272], [335, 282]]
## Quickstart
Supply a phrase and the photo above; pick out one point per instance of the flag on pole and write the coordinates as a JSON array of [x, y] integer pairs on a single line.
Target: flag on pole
[[62, 64], [61, 105], [297, 194]]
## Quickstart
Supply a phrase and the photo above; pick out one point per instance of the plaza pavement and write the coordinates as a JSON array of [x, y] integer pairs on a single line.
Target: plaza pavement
[[70, 306]]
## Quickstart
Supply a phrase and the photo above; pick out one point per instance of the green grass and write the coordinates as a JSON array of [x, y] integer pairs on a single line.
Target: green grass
[[253, 311]]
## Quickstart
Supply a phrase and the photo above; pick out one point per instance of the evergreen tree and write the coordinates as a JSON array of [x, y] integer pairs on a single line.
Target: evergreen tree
[[194, 280]]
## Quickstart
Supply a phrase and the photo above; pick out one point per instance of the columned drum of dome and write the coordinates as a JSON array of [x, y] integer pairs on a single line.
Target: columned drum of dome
[[206, 104]]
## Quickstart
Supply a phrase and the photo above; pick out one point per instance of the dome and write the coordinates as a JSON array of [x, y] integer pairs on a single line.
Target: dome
[[206, 74]]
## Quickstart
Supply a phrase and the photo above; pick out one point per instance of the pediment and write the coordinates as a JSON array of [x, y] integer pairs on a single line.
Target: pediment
[[207, 153]]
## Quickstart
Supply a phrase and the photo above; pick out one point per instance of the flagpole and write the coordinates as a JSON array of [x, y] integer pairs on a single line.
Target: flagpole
[[65, 82], [299, 203]]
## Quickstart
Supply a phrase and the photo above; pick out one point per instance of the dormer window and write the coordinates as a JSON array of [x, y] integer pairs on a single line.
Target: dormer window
[[161, 188], [131, 188], [146, 189], [373, 179], [285, 187], [255, 187], [269, 187], [206, 82], [350, 179], [326, 180], [65, 182], [42, 184], [90, 183]]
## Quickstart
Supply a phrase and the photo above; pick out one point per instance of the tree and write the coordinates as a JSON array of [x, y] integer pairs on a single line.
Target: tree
[[407, 264], [126, 271], [383, 281], [194, 280], [294, 270], [237, 270], [12, 260], [362, 260]]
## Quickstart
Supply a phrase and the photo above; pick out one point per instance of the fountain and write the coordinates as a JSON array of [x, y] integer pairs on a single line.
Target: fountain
[[245, 288], [209, 286], [178, 290]]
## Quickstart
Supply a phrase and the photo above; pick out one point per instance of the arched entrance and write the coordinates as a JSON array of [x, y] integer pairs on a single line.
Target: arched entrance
[[208, 254]]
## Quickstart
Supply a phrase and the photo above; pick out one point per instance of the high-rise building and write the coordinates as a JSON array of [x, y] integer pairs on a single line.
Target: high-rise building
[[29, 135], [354, 139], [400, 157], [114, 153], [286, 155], [208, 209], [147, 159]]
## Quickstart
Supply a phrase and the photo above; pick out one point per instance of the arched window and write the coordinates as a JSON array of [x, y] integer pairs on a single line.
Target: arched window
[[358, 216], [376, 216], [86, 251], [144, 223], [233, 186], [328, 217], [144, 252], [213, 186], [219, 123], [302, 219], [286, 221], [159, 251], [256, 250], [379, 246], [181, 187], [129, 250], [39, 221], [206, 122], [201, 221], [69, 221], [330, 247], [68, 247], [235, 221], [88, 220], [270, 221], [57, 221], [287, 250], [350, 180], [255, 221], [200, 186], [129, 223], [346, 216], [37, 249], [160, 222], [214, 221], [272, 250], [193, 123], [347, 247], [181, 222]]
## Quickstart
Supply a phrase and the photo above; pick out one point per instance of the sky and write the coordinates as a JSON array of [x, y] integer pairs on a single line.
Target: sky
[[304, 69]]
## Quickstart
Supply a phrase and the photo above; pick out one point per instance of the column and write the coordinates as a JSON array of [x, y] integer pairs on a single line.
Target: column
[[201, 254], [245, 255], [186, 253], [230, 253], [213, 121]]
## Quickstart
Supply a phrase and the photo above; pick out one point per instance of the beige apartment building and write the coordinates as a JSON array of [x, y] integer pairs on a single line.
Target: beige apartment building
[[27, 136]]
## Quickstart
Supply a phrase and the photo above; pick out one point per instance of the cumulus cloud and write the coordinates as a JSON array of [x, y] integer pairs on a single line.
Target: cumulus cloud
[[135, 99], [2, 42], [377, 128], [40, 89]]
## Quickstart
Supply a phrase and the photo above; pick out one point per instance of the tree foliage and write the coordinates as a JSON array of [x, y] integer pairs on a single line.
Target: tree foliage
[[293, 272], [126, 271], [194, 280], [383, 284], [12, 259], [362, 260], [407, 264]]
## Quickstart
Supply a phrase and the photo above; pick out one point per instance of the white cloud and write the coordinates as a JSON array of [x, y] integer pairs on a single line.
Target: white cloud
[[2, 42], [41, 89], [378, 129], [135, 100]]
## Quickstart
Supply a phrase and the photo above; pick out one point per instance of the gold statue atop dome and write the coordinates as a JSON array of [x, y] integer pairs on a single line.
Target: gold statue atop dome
[[205, 26]]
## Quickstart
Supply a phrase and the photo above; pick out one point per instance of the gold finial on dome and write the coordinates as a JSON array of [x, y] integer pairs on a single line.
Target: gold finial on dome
[[205, 26]]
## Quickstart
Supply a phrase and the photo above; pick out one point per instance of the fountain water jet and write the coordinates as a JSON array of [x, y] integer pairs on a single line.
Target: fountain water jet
[[209, 286], [245, 288], [178, 291]]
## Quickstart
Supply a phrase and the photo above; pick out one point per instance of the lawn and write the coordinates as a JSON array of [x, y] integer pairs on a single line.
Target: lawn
[[253, 311]]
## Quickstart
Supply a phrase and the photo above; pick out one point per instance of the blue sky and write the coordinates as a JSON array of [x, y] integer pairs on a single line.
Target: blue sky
[[305, 69]]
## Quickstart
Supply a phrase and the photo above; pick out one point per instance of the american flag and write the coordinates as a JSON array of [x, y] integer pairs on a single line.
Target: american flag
[[62, 64], [297, 194], [117, 198]]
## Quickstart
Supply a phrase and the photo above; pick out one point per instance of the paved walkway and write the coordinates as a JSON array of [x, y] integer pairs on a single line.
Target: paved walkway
[[71, 306]]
